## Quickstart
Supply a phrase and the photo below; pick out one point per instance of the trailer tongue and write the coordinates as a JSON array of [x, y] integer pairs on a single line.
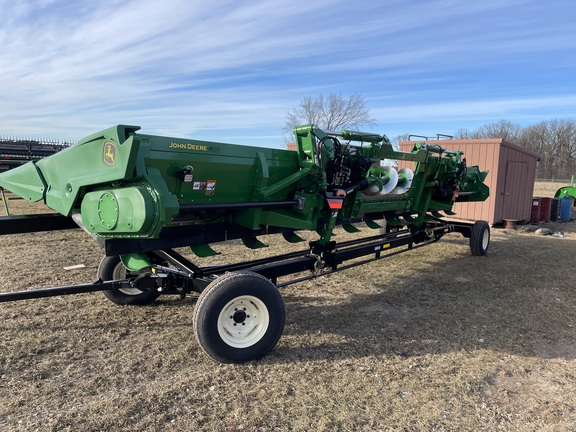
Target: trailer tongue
[[141, 196]]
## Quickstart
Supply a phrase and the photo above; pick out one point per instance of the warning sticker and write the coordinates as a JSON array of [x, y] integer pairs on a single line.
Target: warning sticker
[[210, 187], [199, 186]]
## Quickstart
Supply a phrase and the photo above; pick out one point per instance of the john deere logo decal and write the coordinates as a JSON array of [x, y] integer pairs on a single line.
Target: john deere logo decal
[[109, 153]]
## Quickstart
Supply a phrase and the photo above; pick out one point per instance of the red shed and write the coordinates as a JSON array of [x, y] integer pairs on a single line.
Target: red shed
[[511, 177]]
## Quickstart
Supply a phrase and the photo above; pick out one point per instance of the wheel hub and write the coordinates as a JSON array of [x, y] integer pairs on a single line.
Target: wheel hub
[[239, 316]]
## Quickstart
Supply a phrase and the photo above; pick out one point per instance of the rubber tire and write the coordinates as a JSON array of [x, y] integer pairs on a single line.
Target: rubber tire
[[111, 268], [212, 303], [480, 238]]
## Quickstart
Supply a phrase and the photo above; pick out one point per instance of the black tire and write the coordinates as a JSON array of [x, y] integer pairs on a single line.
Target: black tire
[[480, 238], [239, 317], [111, 268]]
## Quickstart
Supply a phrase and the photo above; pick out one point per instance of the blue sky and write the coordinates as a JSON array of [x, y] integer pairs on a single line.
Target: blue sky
[[230, 70]]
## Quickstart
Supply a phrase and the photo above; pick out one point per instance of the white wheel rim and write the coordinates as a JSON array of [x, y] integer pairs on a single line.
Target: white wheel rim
[[243, 321], [120, 273], [485, 239]]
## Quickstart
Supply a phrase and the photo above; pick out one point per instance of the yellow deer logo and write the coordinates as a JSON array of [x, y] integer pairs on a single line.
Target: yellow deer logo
[[109, 153]]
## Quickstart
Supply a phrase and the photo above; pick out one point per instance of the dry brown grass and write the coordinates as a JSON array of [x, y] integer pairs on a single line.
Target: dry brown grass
[[547, 189], [434, 339]]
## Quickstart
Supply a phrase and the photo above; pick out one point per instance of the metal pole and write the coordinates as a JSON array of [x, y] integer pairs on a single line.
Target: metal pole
[[4, 201]]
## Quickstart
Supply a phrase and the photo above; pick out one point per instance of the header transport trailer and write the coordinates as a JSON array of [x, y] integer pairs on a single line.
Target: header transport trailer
[[141, 196]]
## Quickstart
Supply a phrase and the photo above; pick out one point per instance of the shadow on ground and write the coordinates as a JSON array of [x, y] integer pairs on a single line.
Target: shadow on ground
[[519, 299]]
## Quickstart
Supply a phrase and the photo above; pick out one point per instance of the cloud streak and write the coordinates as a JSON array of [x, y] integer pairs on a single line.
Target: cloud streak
[[230, 69]]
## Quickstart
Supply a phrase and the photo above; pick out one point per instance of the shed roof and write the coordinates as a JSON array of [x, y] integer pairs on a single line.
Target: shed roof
[[478, 141]]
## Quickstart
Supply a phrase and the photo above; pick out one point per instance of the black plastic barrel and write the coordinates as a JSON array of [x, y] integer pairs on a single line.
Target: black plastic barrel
[[555, 209]]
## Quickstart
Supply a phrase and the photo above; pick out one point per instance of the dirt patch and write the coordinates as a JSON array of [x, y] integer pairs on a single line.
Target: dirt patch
[[553, 349], [513, 393]]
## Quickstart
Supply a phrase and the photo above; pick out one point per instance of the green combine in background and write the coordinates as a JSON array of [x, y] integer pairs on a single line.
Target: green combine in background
[[567, 191]]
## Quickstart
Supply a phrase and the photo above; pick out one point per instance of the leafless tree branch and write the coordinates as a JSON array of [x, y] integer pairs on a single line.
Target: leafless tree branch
[[333, 112]]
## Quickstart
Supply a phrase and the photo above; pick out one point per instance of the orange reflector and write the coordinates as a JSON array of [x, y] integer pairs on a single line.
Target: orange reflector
[[335, 203]]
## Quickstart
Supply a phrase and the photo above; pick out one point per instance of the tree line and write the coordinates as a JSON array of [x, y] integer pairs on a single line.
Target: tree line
[[554, 140]]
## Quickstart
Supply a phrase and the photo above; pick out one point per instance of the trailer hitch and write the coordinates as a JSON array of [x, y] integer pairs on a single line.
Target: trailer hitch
[[143, 282], [99, 285], [146, 281]]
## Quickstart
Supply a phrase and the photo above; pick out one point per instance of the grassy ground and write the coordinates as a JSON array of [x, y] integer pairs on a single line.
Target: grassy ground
[[547, 189], [433, 339]]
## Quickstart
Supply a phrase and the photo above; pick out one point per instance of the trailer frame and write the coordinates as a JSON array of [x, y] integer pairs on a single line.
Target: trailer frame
[[319, 260]]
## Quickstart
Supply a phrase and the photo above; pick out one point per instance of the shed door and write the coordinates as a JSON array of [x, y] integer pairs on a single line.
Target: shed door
[[515, 186]]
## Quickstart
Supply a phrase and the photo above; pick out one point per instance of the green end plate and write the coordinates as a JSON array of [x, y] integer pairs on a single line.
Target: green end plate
[[135, 261]]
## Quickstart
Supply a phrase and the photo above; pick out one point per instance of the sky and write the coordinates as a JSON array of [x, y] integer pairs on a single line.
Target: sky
[[229, 71]]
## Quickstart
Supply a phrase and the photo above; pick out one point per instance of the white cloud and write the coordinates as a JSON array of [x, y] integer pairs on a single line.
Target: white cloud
[[474, 109], [180, 67]]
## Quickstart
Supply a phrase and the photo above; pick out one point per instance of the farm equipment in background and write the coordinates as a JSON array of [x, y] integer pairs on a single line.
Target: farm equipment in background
[[141, 196], [567, 191], [17, 152]]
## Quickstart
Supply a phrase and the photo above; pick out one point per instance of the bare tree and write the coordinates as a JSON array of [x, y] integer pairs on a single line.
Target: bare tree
[[462, 133], [333, 112], [504, 129], [484, 132], [554, 140], [536, 138], [403, 137], [563, 134]]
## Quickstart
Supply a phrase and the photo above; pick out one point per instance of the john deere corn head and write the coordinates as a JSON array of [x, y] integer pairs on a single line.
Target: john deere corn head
[[141, 196]]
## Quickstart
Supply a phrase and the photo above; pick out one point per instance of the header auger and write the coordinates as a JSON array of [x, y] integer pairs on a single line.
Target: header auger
[[140, 196]]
